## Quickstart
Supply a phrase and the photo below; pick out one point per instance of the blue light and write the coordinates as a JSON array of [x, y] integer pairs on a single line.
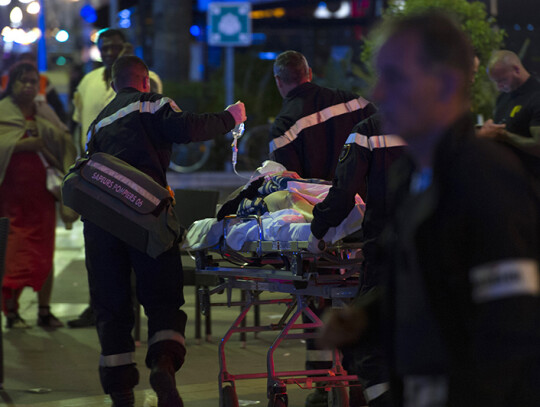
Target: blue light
[[124, 23], [517, 27], [195, 30], [530, 27], [124, 13], [88, 13], [258, 38], [268, 55]]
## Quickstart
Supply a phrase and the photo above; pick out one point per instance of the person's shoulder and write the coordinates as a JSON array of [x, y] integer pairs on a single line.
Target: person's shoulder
[[155, 82], [341, 93], [95, 72], [91, 77], [371, 126]]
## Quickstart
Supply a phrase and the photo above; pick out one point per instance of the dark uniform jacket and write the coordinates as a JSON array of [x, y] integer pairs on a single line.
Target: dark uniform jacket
[[362, 169], [312, 126], [463, 281], [519, 109], [140, 128]]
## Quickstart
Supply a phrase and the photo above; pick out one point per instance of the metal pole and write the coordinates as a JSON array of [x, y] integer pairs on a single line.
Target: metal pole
[[493, 8], [42, 45], [113, 13], [229, 86], [229, 75]]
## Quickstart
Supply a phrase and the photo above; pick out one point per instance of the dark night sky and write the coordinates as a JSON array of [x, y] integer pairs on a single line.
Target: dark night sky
[[521, 21]]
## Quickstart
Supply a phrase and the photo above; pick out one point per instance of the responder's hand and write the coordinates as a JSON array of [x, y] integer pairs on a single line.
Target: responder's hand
[[238, 111], [315, 245], [490, 129], [343, 327]]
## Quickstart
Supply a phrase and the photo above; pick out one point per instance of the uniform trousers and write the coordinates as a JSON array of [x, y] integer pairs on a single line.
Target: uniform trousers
[[159, 289]]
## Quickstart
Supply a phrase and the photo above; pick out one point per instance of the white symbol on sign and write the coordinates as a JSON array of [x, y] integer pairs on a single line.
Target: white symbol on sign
[[229, 24]]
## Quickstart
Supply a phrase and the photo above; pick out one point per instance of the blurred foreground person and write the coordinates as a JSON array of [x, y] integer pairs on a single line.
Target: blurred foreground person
[[31, 139], [461, 314], [139, 127]]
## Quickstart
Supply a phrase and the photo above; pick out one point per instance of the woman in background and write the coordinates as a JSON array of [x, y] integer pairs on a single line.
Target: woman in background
[[31, 139]]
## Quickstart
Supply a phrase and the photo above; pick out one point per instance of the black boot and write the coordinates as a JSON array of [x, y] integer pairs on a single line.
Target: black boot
[[123, 398], [87, 318], [317, 398], [164, 384]]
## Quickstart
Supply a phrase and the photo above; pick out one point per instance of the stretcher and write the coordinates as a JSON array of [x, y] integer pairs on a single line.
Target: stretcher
[[285, 267]]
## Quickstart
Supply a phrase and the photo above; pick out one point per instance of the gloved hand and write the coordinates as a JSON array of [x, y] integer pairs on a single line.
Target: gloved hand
[[315, 245]]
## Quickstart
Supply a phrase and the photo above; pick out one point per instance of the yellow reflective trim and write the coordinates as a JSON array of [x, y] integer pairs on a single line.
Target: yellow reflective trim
[[377, 390], [120, 359], [167, 335], [515, 110], [373, 142], [143, 107], [317, 118]]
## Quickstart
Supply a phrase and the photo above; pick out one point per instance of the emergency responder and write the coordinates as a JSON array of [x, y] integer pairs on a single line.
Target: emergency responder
[[93, 93], [308, 133], [516, 117], [306, 137], [463, 282], [362, 169], [139, 127]]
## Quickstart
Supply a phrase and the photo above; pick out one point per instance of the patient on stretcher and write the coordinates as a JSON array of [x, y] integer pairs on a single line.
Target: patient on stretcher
[[283, 201]]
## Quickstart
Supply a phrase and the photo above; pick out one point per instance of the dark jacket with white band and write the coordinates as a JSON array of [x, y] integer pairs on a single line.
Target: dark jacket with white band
[[312, 126]]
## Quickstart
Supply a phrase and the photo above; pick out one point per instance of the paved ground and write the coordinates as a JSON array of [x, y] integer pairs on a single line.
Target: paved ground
[[59, 368]]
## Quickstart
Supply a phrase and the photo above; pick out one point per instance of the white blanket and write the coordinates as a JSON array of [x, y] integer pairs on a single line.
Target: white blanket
[[283, 225], [277, 225]]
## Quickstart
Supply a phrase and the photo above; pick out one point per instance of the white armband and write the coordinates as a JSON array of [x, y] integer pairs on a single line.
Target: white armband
[[503, 279]]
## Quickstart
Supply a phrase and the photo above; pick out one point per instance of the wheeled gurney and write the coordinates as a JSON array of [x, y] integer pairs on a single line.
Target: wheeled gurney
[[280, 266]]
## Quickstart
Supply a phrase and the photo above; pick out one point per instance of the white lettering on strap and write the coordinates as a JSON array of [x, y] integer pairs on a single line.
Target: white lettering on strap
[[317, 118], [373, 142], [143, 107], [126, 181], [503, 279], [167, 335], [120, 359]]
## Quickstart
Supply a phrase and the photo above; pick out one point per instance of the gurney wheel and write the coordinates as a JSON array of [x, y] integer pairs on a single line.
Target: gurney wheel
[[278, 400], [229, 397], [338, 396]]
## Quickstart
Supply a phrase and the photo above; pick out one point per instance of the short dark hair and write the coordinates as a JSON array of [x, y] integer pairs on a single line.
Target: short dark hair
[[110, 32], [126, 68], [16, 71], [291, 67], [443, 42]]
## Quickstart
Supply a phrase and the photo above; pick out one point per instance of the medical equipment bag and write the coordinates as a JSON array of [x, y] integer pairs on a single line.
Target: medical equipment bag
[[124, 201]]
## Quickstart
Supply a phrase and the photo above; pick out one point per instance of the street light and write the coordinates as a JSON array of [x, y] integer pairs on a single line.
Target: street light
[[15, 16]]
